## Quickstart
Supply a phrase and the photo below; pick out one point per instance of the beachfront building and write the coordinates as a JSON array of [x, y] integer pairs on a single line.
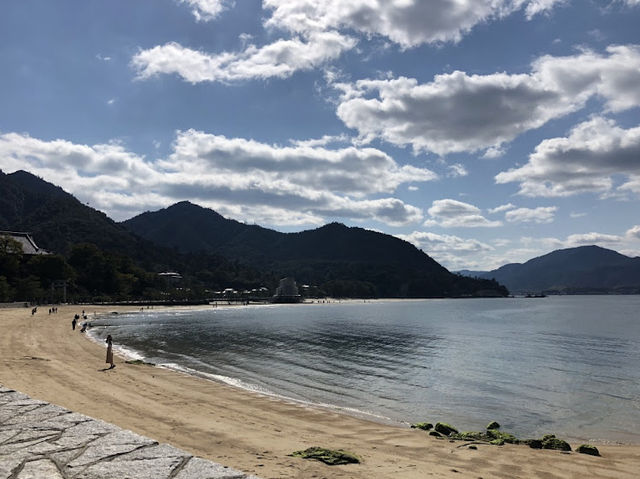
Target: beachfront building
[[29, 246], [287, 292]]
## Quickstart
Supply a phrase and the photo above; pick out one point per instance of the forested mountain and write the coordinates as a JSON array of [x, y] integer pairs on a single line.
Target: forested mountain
[[366, 263], [58, 220], [101, 258], [585, 269]]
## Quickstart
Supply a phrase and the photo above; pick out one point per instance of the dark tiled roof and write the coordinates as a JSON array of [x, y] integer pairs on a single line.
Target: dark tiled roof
[[28, 244]]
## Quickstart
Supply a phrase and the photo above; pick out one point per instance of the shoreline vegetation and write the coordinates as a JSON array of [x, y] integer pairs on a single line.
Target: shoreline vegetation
[[259, 434]]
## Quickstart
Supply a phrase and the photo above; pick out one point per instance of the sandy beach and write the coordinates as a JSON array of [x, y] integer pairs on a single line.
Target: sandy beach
[[42, 357]]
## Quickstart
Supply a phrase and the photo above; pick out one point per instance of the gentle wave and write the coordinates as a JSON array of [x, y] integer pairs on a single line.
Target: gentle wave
[[132, 354], [548, 366], [128, 353], [238, 383]]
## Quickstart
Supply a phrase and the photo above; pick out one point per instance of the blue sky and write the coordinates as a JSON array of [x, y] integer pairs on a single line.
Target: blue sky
[[483, 131]]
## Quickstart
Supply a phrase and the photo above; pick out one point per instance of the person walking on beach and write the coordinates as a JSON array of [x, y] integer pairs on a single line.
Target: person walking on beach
[[110, 352], [73, 324]]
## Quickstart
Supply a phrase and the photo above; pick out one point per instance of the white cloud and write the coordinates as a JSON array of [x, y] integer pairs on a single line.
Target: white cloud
[[350, 171], [457, 112], [407, 23], [324, 141], [206, 10], [451, 251], [494, 152], [253, 181], [535, 7], [584, 239], [542, 244], [577, 215], [279, 59], [449, 213], [613, 77], [431, 242], [456, 170], [501, 208], [585, 161], [633, 232], [542, 214], [312, 34]]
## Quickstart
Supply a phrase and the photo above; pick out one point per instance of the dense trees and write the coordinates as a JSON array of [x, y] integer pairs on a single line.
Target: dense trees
[[89, 273], [29, 278]]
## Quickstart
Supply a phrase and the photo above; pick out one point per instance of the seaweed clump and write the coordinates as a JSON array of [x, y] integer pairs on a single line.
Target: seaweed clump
[[491, 435], [445, 429], [425, 426], [588, 449], [550, 441], [328, 456]]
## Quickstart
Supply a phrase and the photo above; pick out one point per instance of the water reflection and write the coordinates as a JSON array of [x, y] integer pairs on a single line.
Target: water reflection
[[533, 365]]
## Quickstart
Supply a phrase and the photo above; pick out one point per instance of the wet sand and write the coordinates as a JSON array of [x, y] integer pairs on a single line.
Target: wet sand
[[41, 356]]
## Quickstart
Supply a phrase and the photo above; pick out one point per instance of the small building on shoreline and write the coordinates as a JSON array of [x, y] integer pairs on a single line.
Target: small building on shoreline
[[287, 292]]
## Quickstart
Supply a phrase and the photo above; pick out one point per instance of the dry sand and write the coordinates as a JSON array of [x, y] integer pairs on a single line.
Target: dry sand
[[42, 357]]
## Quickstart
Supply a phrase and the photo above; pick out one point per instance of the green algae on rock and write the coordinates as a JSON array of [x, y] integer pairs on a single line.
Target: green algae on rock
[[425, 426], [503, 436], [446, 429], [588, 449], [499, 438], [470, 436], [493, 425], [550, 441], [491, 436], [533, 443], [328, 456]]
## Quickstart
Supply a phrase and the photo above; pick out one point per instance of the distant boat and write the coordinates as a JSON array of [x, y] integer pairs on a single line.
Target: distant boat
[[541, 295]]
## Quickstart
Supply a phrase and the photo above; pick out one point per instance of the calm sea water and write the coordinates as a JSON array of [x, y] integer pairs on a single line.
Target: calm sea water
[[568, 365]]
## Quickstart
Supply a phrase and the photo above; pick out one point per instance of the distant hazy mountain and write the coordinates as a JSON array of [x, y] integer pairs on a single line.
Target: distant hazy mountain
[[586, 269], [332, 253]]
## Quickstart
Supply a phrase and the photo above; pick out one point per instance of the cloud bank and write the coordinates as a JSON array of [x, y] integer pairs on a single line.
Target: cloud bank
[[586, 161], [458, 112], [279, 59], [313, 33], [246, 179]]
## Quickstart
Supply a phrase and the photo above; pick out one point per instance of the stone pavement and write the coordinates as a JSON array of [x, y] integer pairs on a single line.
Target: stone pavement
[[39, 440]]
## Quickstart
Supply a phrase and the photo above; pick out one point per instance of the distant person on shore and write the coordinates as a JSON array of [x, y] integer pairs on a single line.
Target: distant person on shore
[[73, 323], [110, 352]]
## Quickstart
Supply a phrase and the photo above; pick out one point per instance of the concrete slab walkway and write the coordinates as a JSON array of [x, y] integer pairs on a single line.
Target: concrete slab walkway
[[41, 440]]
